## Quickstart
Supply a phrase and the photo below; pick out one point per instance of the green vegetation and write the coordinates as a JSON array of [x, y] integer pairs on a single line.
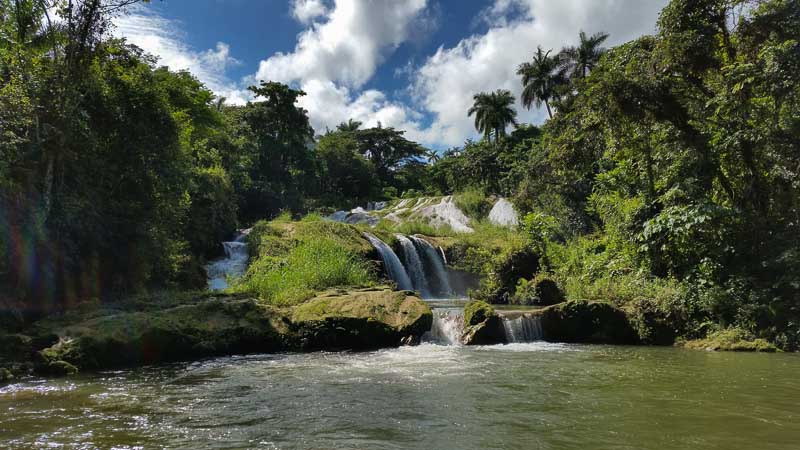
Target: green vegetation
[[664, 185], [732, 340], [295, 260]]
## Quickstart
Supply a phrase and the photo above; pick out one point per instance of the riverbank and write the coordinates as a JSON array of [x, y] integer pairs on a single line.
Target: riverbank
[[134, 334]]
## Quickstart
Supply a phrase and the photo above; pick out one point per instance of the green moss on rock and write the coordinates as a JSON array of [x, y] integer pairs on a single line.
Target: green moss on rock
[[482, 325], [732, 340], [361, 319], [586, 322], [213, 327]]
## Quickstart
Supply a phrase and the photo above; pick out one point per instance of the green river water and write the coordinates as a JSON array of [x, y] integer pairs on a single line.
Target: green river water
[[518, 396]]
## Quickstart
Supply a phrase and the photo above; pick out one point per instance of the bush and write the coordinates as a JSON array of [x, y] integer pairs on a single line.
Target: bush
[[542, 290], [474, 203]]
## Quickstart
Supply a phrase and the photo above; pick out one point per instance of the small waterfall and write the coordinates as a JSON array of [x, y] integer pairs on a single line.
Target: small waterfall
[[447, 328], [439, 271], [525, 328], [234, 264], [414, 265], [394, 268]]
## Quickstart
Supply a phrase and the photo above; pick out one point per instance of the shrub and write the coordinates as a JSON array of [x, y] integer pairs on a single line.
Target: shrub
[[474, 203]]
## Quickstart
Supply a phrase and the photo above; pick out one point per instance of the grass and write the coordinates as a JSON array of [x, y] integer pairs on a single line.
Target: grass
[[474, 203], [292, 261], [307, 268]]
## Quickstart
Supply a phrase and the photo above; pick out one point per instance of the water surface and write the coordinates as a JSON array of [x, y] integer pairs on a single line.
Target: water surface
[[517, 396]]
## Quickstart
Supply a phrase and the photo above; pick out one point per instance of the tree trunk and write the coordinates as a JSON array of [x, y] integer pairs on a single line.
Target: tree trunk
[[547, 105]]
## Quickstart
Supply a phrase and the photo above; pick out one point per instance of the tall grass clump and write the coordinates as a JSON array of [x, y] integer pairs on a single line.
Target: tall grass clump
[[474, 203], [310, 266]]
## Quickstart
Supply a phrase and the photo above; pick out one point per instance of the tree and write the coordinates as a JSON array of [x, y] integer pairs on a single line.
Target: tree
[[387, 149], [350, 125], [280, 141], [540, 78], [347, 177], [493, 112], [579, 61]]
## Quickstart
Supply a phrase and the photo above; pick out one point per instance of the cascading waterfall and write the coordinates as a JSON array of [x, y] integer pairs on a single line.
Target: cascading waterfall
[[439, 271], [525, 328], [394, 268], [447, 328], [234, 264], [414, 265]]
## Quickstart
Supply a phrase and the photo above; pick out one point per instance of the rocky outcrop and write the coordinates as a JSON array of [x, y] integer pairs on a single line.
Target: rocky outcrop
[[361, 319], [586, 322], [217, 326], [334, 320], [482, 325]]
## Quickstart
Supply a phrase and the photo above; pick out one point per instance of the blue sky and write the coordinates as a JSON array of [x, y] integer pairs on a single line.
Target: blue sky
[[411, 64]]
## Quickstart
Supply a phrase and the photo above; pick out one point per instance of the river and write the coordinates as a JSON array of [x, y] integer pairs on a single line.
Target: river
[[518, 396]]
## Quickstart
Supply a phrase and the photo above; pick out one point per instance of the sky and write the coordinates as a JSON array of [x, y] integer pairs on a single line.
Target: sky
[[410, 64]]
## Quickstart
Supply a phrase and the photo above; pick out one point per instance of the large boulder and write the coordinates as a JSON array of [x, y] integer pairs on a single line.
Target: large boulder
[[361, 319], [482, 325], [586, 322], [217, 326]]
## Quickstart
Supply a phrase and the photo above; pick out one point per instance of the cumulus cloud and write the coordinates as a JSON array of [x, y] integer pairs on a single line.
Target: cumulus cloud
[[305, 11], [445, 83], [340, 50], [163, 38], [347, 46]]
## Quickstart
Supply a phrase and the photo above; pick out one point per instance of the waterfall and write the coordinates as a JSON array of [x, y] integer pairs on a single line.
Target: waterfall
[[525, 328], [439, 271], [414, 265], [234, 264], [394, 268], [447, 328]]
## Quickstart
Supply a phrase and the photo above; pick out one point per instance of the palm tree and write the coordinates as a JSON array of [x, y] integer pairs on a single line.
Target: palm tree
[[578, 61], [540, 78], [432, 156], [350, 125], [493, 112]]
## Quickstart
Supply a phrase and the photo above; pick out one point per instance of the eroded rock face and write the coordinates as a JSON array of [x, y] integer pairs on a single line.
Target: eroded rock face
[[586, 322], [361, 319]]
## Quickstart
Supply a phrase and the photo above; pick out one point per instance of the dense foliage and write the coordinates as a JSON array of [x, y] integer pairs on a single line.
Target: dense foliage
[[117, 174], [677, 157], [666, 179]]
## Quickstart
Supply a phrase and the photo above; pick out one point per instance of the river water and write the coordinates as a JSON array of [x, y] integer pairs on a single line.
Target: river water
[[517, 396]]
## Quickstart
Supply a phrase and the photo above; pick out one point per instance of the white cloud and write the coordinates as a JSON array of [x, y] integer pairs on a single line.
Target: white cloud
[[305, 11], [162, 37], [348, 46], [445, 83]]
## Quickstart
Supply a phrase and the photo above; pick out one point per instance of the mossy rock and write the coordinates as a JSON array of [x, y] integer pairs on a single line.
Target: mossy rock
[[482, 325], [361, 319], [586, 322], [732, 340], [476, 312], [215, 327]]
